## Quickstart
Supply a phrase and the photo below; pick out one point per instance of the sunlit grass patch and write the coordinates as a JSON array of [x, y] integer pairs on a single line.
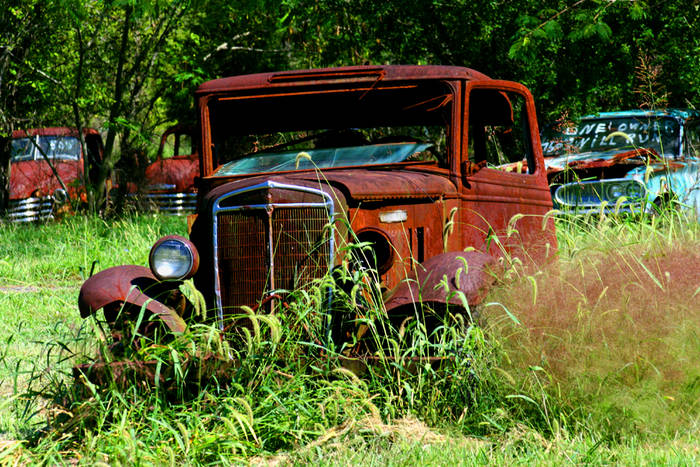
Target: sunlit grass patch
[[63, 253]]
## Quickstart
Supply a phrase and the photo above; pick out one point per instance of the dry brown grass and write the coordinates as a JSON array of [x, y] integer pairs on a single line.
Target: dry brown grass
[[616, 325]]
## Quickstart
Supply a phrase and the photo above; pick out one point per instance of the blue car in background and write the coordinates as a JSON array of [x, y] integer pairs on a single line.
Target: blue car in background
[[634, 160]]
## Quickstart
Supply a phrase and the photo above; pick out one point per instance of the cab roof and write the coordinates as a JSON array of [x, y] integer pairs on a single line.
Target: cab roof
[[339, 75], [52, 131], [681, 114]]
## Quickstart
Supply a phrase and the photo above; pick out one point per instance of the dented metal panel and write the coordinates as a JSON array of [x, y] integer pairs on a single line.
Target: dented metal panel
[[133, 285]]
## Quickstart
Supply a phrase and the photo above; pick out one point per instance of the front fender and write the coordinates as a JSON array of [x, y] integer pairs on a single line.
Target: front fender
[[470, 272], [135, 285]]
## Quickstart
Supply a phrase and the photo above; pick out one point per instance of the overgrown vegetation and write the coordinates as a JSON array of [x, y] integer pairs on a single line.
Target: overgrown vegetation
[[592, 360]]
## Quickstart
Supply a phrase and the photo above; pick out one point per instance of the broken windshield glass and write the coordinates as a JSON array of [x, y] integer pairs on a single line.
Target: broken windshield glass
[[55, 147], [327, 158]]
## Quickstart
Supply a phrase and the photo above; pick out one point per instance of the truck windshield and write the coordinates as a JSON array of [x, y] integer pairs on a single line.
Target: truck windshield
[[330, 128], [661, 134], [306, 156], [55, 147]]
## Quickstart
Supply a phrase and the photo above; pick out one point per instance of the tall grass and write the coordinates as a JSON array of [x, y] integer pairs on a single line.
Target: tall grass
[[610, 337], [601, 348]]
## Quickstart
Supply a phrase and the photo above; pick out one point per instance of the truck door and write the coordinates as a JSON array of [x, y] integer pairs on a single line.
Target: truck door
[[505, 195]]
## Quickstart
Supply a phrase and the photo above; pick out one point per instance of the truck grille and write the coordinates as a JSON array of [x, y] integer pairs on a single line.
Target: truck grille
[[269, 247]]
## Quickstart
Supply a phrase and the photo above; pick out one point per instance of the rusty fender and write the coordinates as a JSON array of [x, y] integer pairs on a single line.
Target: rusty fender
[[135, 285], [470, 272]]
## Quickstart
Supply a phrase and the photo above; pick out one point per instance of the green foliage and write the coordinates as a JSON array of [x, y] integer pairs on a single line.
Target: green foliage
[[130, 68]]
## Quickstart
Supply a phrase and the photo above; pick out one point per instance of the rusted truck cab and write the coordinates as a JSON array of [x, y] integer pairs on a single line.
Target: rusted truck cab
[[296, 166], [169, 180], [47, 168]]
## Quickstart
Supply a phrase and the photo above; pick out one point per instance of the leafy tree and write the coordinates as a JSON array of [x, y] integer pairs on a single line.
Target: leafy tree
[[24, 93], [117, 72], [131, 67]]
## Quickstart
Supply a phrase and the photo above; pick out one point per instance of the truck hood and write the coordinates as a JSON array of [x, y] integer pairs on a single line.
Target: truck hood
[[359, 184], [635, 163], [600, 159]]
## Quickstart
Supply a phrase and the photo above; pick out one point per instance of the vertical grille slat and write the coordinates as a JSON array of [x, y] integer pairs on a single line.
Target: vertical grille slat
[[248, 265], [301, 249]]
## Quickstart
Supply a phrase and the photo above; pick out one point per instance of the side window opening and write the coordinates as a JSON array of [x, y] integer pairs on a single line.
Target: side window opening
[[499, 131], [22, 149], [692, 138], [177, 144]]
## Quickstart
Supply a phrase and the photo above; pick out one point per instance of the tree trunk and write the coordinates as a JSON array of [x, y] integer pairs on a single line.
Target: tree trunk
[[110, 156], [5, 167]]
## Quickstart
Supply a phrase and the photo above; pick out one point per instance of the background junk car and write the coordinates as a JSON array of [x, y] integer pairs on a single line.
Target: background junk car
[[168, 183], [631, 160], [292, 163], [169, 180], [47, 168]]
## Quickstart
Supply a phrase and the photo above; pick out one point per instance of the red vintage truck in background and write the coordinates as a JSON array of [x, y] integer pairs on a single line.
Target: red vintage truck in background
[[166, 184], [169, 181], [47, 170]]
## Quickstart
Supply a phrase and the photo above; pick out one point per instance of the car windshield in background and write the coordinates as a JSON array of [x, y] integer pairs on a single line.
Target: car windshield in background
[[322, 149], [22, 149], [55, 147], [614, 134]]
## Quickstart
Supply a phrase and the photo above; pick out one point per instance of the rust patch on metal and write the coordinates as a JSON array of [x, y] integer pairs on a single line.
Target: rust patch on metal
[[135, 285]]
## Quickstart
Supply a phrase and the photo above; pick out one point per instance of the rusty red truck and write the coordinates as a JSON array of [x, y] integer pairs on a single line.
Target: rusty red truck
[[47, 170], [296, 165], [169, 180]]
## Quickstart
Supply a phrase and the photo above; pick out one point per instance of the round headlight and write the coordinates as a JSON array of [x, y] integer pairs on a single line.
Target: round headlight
[[615, 191], [635, 190], [173, 257], [60, 196]]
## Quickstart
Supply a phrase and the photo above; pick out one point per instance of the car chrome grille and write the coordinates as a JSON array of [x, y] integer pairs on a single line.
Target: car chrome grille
[[176, 204], [242, 257], [300, 248], [30, 209], [267, 248], [592, 193]]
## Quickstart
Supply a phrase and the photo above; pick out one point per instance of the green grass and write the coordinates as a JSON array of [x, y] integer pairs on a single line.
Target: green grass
[[41, 270], [600, 365]]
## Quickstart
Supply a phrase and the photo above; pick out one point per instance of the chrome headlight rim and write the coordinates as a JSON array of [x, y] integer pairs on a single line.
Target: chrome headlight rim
[[186, 264], [636, 190], [60, 196], [594, 193]]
